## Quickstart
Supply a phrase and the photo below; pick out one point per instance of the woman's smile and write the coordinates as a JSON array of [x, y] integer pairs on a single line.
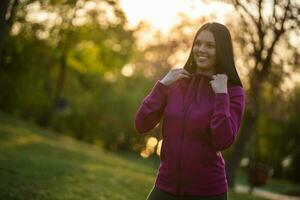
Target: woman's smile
[[204, 50]]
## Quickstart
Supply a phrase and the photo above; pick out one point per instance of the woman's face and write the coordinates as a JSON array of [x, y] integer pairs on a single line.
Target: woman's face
[[204, 51]]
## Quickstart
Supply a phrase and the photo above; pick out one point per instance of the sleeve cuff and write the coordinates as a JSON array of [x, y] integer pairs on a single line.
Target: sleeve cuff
[[162, 85]]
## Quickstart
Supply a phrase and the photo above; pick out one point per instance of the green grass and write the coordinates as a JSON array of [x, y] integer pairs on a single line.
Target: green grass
[[273, 185], [38, 164]]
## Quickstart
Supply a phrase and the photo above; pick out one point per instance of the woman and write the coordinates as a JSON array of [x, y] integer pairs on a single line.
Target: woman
[[202, 105]]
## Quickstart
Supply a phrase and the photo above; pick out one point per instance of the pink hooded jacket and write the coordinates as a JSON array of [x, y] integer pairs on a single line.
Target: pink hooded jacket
[[197, 125]]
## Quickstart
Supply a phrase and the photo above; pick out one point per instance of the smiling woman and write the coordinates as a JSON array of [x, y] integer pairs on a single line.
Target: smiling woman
[[212, 51], [202, 105]]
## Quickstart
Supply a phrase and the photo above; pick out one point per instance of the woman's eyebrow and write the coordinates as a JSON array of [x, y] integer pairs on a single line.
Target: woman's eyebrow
[[210, 42]]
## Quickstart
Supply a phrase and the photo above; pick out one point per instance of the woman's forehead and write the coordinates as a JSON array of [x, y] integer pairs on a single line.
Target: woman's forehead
[[205, 36]]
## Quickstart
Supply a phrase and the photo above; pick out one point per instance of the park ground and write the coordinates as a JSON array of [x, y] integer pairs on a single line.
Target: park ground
[[39, 164]]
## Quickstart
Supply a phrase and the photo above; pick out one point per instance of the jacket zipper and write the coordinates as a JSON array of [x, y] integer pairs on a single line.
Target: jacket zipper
[[179, 167], [185, 107]]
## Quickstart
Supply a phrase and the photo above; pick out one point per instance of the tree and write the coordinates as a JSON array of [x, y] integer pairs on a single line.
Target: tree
[[7, 13], [260, 41], [67, 58]]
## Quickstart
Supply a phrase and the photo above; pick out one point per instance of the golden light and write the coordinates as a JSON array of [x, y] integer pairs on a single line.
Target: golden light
[[158, 150], [35, 14], [147, 10], [16, 28], [150, 146], [144, 154], [290, 82], [128, 70], [152, 16], [151, 142]]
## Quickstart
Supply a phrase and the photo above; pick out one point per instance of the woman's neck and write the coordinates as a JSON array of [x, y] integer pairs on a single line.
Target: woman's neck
[[207, 72]]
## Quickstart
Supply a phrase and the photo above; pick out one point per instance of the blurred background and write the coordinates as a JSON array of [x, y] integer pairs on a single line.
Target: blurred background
[[74, 72]]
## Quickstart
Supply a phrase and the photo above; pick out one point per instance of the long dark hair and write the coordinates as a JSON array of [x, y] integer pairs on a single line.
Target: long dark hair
[[224, 53]]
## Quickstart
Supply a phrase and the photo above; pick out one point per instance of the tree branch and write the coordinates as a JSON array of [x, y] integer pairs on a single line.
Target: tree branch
[[12, 16], [246, 26], [261, 32], [238, 5], [274, 11]]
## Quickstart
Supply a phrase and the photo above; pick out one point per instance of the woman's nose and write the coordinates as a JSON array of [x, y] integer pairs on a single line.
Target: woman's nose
[[201, 48]]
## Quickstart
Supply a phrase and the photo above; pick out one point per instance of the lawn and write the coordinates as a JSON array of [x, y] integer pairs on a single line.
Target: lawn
[[38, 164], [273, 185]]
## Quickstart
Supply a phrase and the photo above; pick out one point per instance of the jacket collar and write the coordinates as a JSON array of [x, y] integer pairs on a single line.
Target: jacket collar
[[201, 74]]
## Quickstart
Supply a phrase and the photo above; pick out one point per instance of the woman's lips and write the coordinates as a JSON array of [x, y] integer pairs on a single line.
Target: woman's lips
[[202, 58]]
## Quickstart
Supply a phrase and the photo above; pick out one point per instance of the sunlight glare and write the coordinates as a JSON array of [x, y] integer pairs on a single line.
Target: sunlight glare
[[152, 142], [158, 150], [164, 14], [128, 70]]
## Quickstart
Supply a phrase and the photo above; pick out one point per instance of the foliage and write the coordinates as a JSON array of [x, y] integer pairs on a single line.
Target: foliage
[[55, 74]]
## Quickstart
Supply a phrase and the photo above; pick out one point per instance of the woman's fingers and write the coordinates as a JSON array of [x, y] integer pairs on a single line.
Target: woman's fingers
[[184, 76], [185, 72]]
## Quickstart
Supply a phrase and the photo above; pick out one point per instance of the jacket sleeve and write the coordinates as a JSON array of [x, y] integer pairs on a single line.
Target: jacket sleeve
[[226, 119], [150, 111]]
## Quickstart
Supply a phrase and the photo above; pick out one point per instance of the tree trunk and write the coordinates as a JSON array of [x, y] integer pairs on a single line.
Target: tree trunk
[[46, 120], [253, 110], [61, 76], [238, 152], [3, 10]]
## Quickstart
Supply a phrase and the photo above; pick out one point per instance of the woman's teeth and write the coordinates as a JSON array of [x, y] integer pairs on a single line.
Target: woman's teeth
[[202, 58]]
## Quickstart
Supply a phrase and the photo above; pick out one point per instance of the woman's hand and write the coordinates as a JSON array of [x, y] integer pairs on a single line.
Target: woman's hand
[[219, 84], [175, 74]]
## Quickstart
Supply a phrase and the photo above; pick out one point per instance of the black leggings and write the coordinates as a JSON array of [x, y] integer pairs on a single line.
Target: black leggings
[[158, 194]]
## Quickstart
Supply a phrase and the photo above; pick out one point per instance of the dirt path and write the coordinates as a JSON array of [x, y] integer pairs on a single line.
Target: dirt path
[[265, 194]]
